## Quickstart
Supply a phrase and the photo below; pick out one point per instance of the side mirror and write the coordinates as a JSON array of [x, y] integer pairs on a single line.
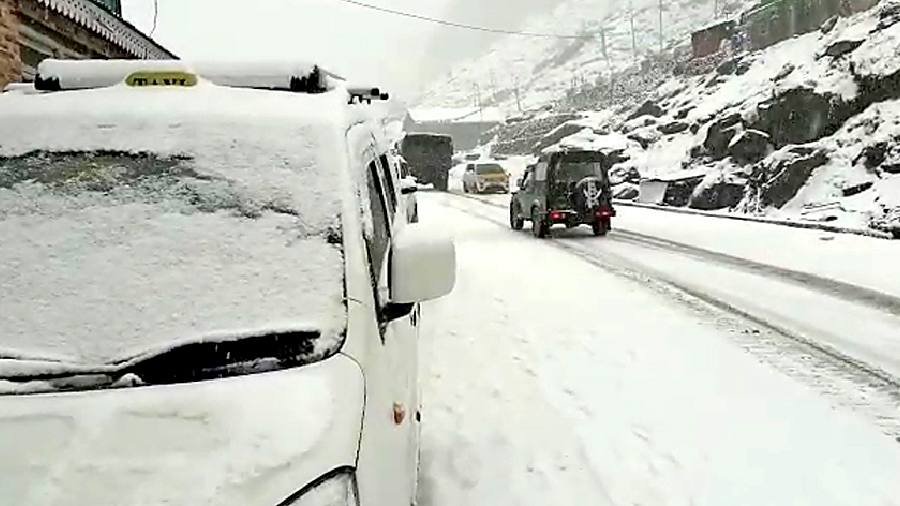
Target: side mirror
[[423, 265], [408, 185]]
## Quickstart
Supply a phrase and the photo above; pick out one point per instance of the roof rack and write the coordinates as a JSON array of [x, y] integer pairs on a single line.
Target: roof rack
[[20, 89], [300, 77], [363, 94]]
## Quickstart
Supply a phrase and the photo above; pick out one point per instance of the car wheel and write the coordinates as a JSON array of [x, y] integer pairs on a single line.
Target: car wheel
[[515, 220], [600, 228], [538, 226]]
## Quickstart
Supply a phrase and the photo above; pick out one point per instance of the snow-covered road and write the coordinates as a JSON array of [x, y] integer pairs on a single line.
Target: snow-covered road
[[571, 372]]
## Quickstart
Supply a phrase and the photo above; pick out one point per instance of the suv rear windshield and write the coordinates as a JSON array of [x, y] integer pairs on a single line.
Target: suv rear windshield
[[489, 169], [576, 171]]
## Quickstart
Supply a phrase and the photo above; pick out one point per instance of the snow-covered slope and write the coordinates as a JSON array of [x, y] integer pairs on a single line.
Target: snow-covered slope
[[543, 69], [806, 129]]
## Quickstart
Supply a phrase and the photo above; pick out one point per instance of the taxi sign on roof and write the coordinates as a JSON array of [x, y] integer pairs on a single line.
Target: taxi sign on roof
[[59, 75], [161, 78]]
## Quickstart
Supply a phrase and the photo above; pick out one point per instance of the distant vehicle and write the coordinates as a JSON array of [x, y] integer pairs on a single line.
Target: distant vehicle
[[226, 313], [430, 157], [408, 187], [484, 178], [568, 188], [473, 157]]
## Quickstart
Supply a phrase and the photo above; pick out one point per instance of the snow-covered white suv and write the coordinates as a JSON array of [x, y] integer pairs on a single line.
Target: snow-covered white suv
[[210, 292]]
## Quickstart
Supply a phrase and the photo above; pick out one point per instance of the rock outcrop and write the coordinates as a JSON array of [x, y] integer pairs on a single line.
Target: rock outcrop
[[648, 108], [718, 195], [750, 146], [776, 180], [720, 134]]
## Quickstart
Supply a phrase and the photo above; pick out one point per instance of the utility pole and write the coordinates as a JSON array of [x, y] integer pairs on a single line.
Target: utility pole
[[480, 111], [634, 50], [516, 88], [612, 86], [660, 27], [478, 102], [603, 47], [493, 87]]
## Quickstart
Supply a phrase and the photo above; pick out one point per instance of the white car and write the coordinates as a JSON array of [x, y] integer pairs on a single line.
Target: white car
[[485, 177], [210, 293]]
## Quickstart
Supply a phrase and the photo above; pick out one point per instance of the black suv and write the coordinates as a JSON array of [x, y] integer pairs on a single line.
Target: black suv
[[569, 187]]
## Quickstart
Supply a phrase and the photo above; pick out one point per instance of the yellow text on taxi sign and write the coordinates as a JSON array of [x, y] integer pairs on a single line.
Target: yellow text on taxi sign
[[146, 79]]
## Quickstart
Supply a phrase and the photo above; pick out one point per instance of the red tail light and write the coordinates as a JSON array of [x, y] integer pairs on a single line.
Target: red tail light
[[556, 216], [606, 213]]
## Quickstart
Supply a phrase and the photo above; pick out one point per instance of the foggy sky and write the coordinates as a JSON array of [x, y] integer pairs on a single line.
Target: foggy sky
[[449, 45], [368, 47]]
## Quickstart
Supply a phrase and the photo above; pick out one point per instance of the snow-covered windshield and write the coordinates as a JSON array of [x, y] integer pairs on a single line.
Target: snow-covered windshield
[[130, 233]]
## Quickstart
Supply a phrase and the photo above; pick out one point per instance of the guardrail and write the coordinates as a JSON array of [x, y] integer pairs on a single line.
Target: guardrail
[[785, 223]]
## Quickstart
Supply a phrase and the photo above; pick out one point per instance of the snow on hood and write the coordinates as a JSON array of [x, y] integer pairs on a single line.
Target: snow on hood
[[241, 232], [239, 441]]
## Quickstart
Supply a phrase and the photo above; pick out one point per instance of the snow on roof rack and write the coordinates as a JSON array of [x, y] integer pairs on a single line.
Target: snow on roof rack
[[21, 89], [58, 75]]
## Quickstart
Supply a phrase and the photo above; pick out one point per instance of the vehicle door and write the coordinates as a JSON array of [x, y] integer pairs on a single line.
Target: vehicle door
[[525, 193], [399, 332], [541, 184]]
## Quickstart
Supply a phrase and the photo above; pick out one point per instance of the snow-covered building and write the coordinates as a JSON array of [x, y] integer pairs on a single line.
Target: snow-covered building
[[33, 30], [466, 125]]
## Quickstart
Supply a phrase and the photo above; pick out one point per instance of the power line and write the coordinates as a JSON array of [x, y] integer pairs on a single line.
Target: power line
[[462, 25]]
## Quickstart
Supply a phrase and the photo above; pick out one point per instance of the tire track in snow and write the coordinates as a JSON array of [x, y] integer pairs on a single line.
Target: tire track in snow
[[847, 291], [847, 381], [501, 418]]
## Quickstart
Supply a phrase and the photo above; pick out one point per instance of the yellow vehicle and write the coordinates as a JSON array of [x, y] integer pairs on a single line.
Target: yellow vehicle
[[485, 177]]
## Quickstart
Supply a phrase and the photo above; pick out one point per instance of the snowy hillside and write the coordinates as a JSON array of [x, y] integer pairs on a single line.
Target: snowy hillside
[[543, 70], [806, 129]]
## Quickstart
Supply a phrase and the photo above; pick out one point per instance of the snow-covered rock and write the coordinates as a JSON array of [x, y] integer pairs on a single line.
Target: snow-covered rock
[[626, 191], [750, 146]]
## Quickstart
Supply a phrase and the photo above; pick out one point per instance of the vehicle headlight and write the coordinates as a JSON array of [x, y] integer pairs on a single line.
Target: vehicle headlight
[[334, 489]]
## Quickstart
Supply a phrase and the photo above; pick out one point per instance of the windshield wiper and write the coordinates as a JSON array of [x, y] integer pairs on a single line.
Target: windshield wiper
[[183, 363], [206, 360]]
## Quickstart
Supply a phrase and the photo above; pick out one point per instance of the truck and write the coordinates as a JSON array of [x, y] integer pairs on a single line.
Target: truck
[[430, 157]]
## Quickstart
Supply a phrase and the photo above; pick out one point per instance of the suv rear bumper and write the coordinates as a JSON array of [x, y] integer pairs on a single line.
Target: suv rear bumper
[[570, 217]]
